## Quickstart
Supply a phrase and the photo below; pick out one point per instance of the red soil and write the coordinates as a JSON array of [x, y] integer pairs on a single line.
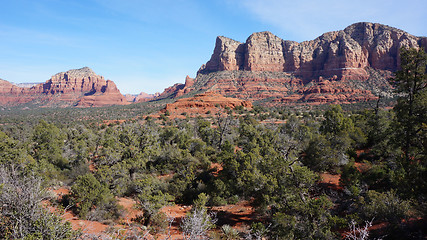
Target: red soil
[[362, 167], [86, 226], [217, 167], [239, 215], [92, 166], [108, 122], [165, 176], [331, 180], [131, 212]]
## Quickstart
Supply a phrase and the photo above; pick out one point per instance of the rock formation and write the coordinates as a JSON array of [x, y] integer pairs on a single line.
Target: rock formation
[[142, 97], [343, 66], [77, 87], [130, 97], [358, 46], [204, 104], [178, 89], [13, 95]]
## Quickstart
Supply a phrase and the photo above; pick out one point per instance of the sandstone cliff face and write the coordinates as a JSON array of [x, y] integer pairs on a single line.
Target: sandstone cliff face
[[228, 55], [79, 87], [356, 61], [144, 97], [264, 52], [102, 95], [358, 46]]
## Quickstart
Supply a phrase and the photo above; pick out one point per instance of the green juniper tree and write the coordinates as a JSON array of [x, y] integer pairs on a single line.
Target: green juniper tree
[[411, 110], [410, 125]]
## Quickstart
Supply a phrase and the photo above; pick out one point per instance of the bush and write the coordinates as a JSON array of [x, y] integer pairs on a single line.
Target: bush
[[229, 233], [22, 215], [324, 155], [385, 206], [151, 198], [218, 201], [158, 222], [197, 223], [88, 193]]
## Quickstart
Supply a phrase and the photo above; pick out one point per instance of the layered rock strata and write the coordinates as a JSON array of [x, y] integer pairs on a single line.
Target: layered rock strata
[[204, 104], [78, 87], [344, 52], [350, 65]]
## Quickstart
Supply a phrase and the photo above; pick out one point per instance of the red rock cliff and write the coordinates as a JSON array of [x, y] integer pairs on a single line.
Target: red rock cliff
[[358, 46], [353, 63]]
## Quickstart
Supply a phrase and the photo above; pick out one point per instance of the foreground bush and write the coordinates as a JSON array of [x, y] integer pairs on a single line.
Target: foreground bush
[[22, 215]]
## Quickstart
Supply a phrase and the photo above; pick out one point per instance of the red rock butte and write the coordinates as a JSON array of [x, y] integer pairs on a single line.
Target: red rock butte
[[77, 87]]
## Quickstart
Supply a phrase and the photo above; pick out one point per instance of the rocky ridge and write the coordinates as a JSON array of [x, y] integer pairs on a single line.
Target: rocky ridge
[[178, 89], [203, 104], [349, 65], [25, 85], [77, 87]]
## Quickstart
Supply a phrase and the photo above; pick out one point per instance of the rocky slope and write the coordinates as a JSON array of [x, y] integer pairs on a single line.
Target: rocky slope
[[178, 89], [203, 104], [77, 87], [342, 66]]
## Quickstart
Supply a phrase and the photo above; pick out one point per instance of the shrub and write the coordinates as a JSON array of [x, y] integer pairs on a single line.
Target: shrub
[[21, 214], [88, 193], [229, 233], [151, 198], [197, 223], [386, 206]]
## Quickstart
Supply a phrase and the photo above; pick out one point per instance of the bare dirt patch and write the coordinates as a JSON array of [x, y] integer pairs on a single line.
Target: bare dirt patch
[[239, 215], [331, 180], [362, 167]]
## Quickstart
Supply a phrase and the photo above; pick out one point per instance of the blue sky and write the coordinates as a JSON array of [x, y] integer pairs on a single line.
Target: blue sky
[[149, 45]]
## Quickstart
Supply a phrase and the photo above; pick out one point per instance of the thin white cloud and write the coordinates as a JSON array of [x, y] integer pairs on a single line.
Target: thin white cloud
[[307, 19]]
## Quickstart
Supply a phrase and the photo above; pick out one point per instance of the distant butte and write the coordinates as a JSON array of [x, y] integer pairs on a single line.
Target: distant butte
[[76, 87], [142, 97]]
